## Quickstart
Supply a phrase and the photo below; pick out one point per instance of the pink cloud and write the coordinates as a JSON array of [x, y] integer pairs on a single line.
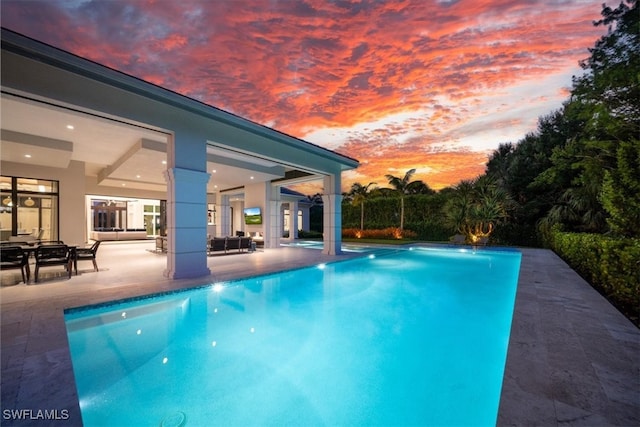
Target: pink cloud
[[307, 65]]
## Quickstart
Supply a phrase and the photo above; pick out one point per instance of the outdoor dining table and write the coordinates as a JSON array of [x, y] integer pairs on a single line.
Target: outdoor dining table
[[30, 250]]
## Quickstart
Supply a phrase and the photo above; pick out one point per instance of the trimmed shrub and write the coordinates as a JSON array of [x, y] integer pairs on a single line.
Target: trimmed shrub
[[611, 265], [434, 231], [391, 233], [423, 215]]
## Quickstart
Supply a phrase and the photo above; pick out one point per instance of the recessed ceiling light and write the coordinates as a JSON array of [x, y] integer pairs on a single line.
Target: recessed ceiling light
[[28, 156], [215, 186], [250, 177], [213, 171], [164, 162], [137, 176], [124, 185], [70, 127]]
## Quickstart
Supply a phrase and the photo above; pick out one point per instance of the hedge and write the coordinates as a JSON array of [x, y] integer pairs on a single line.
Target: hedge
[[611, 265], [422, 214], [386, 233]]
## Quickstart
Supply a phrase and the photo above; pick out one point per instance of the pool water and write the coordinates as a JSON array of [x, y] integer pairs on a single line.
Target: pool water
[[410, 337]]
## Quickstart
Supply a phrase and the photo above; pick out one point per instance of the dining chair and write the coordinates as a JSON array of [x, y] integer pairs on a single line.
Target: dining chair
[[15, 257], [48, 255], [86, 254]]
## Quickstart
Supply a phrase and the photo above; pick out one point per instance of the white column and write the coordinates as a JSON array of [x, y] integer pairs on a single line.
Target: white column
[[272, 219], [223, 210], [293, 220], [332, 216], [273, 230], [186, 223]]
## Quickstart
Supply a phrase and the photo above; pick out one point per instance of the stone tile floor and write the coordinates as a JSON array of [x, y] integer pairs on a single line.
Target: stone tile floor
[[573, 358]]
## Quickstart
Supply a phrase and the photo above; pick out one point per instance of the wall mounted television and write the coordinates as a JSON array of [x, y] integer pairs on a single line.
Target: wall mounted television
[[252, 216]]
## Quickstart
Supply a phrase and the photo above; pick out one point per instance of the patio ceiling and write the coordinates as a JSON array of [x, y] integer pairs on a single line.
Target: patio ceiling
[[115, 153]]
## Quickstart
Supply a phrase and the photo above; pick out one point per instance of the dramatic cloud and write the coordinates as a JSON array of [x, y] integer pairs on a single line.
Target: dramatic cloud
[[434, 85]]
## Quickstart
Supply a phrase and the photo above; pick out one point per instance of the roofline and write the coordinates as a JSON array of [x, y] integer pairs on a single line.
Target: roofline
[[28, 47]]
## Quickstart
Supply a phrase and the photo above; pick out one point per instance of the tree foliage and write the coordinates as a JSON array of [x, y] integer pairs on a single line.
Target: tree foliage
[[621, 191], [404, 186], [476, 206], [358, 195], [604, 101], [568, 170]]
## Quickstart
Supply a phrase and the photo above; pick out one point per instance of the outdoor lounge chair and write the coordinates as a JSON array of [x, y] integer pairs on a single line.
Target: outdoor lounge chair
[[49, 255], [218, 244], [233, 243], [86, 254], [15, 257]]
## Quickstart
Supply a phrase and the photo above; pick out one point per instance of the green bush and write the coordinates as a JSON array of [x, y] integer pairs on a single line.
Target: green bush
[[611, 265], [386, 233], [434, 231], [423, 215]]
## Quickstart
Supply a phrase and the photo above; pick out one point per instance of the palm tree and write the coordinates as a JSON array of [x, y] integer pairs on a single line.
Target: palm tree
[[402, 186], [419, 187], [358, 194]]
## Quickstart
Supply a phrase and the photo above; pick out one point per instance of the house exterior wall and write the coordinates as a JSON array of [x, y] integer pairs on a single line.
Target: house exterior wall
[[255, 195]]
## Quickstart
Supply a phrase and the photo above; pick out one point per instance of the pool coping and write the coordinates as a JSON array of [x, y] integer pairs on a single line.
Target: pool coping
[[572, 357]]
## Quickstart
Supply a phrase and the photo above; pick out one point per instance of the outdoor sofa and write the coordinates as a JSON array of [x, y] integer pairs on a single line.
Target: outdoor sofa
[[226, 244]]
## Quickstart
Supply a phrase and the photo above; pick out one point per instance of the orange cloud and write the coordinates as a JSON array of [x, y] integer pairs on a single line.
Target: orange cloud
[[415, 83]]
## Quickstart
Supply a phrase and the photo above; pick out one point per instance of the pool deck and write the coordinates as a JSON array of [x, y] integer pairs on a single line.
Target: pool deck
[[573, 359]]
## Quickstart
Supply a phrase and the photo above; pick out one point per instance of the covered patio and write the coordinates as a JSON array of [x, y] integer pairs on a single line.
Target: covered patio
[[103, 137]]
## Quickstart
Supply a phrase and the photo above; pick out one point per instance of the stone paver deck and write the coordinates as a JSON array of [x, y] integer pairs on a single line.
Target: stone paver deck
[[573, 358]]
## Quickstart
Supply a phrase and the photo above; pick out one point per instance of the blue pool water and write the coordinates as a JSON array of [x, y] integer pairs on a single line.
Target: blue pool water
[[404, 338]]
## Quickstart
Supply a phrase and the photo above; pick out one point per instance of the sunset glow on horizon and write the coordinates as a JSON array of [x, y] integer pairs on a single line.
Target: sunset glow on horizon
[[434, 85]]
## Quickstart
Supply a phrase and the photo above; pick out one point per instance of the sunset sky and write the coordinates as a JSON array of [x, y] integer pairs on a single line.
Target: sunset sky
[[434, 85]]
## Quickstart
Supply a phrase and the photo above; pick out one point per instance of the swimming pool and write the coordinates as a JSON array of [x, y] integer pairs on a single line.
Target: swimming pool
[[406, 337]]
